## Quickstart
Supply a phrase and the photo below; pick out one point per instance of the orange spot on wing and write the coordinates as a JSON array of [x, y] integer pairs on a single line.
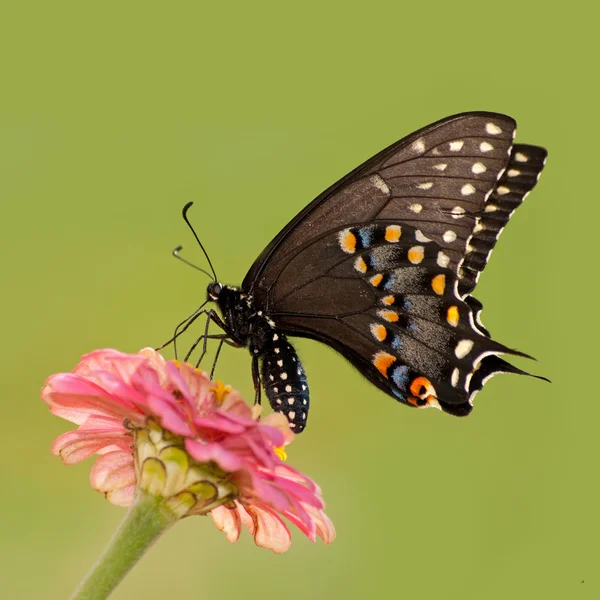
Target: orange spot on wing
[[388, 315], [376, 279], [416, 254], [452, 316], [360, 265], [393, 233], [438, 283], [421, 387], [383, 361], [348, 241], [379, 331], [388, 300]]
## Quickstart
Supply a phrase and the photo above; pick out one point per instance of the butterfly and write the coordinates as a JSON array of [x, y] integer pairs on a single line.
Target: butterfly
[[381, 267]]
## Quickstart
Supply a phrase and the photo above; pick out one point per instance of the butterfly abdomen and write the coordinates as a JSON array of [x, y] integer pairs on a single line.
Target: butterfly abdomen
[[284, 381]]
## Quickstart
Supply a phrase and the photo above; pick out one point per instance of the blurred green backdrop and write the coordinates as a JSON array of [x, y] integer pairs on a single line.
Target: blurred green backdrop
[[115, 114]]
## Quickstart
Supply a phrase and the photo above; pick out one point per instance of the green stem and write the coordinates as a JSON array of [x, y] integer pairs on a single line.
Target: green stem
[[145, 521]]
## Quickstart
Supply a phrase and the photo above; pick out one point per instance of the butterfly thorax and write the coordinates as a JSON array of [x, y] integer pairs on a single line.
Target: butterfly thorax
[[281, 371]]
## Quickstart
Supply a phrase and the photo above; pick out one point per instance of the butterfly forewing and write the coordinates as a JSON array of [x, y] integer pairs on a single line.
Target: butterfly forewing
[[436, 179]]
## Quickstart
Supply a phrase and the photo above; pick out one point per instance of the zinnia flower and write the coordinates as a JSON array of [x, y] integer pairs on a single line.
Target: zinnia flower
[[164, 428]]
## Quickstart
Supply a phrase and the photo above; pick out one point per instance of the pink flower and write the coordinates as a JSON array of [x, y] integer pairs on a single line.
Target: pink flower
[[165, 428]]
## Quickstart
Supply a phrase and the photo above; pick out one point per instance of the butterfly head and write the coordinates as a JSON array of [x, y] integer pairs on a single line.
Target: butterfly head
[[214, 291]]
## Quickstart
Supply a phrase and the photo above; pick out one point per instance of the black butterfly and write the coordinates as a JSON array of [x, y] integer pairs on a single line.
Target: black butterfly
[[381, 267]]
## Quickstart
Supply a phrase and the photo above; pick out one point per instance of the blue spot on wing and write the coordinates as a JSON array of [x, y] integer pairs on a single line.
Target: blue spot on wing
[[366, 236], [400, 376]]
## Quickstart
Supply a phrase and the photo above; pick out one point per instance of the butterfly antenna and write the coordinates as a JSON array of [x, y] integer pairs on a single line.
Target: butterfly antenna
[[187, 262], [184, 213]]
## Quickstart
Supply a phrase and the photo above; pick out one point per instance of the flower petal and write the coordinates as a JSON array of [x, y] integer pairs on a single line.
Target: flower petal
[[269, 530], [75, 446], [205, 452], [113, 474], [228, 521]]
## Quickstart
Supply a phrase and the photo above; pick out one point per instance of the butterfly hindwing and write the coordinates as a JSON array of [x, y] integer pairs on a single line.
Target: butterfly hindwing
[[384, 301]]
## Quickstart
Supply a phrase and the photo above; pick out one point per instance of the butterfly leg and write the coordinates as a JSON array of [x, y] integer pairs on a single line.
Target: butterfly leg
[[186, 323], [256, 379]]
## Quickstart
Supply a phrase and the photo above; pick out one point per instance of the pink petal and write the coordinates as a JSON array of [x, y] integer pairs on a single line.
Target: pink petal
[[228, 461], [278, 421], [228, 521], [120, 364], [235, 406], [171, 415], [324, 525], [73, 393], [269, 530], [218, 423], [122, 497], [75, 446], [113, 474]]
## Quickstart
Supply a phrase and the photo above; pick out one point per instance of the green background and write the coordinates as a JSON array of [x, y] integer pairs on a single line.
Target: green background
[[113, 115]]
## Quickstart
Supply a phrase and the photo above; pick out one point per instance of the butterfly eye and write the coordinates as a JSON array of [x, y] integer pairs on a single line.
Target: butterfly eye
[[214, 289]]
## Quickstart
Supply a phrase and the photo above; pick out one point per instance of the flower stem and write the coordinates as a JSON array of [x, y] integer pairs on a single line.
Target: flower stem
[[145, 521]]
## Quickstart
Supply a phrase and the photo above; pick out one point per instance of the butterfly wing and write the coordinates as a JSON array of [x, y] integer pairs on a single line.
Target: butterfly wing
[[371, 267], [436, 179]]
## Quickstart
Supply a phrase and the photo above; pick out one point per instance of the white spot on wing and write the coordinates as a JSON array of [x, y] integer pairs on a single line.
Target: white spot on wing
[[478, 168], [416, 208], [502, 190], [290, 401], [419, 146], [449, 236], [492, 128], [458, 212], [463, 348], [380, 184], [486, 147], [420, 237], [425, 186], [454, 377], [456, 146], [288, 388], [467, 189], [520, 157], [490, 208], [443, 260], [513, 172], [283, 375], [280, 363], [440, 167]]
